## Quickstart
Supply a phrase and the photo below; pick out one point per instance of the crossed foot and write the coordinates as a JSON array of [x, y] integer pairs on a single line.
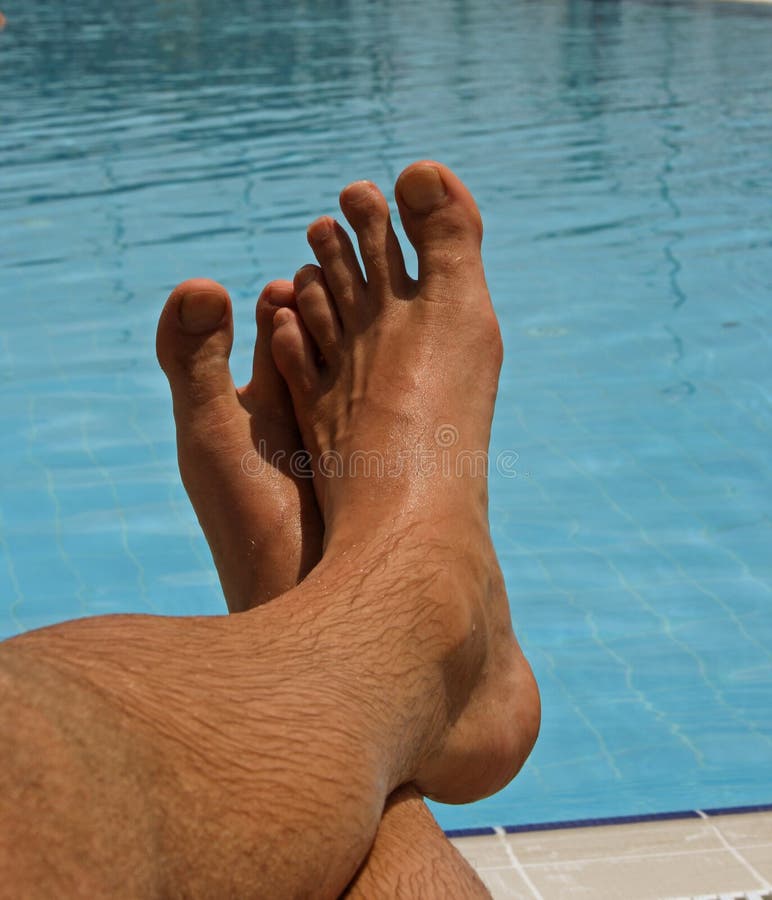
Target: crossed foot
[[389, 384]]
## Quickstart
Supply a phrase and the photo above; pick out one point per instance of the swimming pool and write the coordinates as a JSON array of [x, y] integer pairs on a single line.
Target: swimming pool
[[621, 153]]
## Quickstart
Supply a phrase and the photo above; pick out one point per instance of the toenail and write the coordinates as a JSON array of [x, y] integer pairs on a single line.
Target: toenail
[[422, 188], [202, 311], [320, 230], [304, 277], [278, 292], [358, 192], [281, 317]]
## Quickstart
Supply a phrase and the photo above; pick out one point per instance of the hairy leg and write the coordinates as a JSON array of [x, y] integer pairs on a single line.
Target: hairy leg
[[219, 427], [257, 739], [412, 858]]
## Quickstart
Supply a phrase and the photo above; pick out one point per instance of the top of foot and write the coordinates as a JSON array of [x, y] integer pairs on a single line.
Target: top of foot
[[393, 379]]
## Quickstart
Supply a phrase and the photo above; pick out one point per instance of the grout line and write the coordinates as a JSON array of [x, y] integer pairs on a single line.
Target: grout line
[[626, 857], [516, 864], [765, 885]]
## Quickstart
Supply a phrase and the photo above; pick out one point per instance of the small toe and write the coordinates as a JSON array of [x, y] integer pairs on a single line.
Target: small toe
[[266, 394], [338, 260], [317, 310], [442, 222], [294, 353], [194, 340], [367, 212], [275, 295]]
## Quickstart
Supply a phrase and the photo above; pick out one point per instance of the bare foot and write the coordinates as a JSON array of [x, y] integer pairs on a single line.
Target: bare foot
[[411, 855], [387, 376], [239, 450]]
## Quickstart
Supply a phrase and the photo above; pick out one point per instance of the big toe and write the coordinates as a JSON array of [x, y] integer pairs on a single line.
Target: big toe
[[193, 343], [442, 222]]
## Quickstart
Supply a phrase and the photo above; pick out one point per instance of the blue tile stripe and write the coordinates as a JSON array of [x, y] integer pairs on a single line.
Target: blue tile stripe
[[613, 820], [737, 810], [469, 832]]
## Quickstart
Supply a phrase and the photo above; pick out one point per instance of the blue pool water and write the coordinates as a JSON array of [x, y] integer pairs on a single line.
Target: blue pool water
[[621, 153]]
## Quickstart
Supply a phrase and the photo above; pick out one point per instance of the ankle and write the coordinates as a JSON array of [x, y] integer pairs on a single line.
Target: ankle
[[432, 601]]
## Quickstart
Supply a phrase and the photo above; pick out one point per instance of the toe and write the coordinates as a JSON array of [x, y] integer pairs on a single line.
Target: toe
[[193, 343], [317, 310], [294, 353], [336, 255], [275, 295], [367, 211], [266, 393], [442, 222]]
